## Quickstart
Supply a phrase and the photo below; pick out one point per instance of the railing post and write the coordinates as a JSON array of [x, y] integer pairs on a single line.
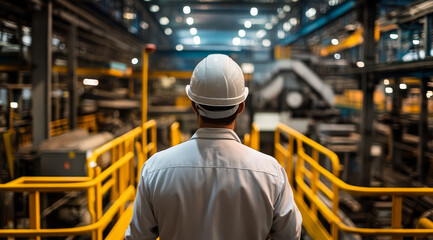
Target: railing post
[[397, 207], [289, 159], [35, 211], [315, 179], [98, 197]]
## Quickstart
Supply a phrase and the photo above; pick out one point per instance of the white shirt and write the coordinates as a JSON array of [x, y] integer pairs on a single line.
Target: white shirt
[[214, 187]]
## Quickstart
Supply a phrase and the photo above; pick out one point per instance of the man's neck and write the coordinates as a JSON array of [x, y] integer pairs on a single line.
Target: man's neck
[[202, 124]]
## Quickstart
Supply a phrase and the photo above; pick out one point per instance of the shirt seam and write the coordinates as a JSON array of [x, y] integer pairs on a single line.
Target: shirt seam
[[233, 168]]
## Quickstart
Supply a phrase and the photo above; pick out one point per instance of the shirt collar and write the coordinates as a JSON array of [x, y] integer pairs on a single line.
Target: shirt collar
[[215, 133]]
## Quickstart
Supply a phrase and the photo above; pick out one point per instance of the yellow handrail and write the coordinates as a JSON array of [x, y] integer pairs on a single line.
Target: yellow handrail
[[119, 177], [253, 139], [311, 179], [175, 134]]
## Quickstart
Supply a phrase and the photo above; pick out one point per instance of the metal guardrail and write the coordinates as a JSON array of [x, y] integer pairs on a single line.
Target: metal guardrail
[[119, 178], [175, 134], [311, 178], [253, 139]]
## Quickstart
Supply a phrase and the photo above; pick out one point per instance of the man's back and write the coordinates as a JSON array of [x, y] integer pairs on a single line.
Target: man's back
[[214, 187]]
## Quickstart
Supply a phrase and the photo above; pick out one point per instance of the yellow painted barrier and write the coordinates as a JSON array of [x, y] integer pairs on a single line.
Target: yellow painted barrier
[[311, 179], [253, 139], [119, 177], [175, 134]]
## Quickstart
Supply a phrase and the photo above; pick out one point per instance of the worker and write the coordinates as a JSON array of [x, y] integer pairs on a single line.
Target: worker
[[212, 186]]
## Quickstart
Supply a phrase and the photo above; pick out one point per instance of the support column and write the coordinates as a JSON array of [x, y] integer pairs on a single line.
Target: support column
[[422, 162], [427, 35], [72, 76], [396, 127], [367, 85], [41, 71]]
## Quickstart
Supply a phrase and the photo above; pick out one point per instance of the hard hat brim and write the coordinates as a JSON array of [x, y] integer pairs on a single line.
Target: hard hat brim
[[218, 102]]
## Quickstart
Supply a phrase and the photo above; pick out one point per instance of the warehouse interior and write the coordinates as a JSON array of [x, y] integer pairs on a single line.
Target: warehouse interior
[[89, 89]]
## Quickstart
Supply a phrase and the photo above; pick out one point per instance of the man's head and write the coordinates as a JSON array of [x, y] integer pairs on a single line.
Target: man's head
[[217, 89]]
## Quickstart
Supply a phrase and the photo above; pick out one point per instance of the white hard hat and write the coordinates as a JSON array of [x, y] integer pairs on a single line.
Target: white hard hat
[[217, 81]]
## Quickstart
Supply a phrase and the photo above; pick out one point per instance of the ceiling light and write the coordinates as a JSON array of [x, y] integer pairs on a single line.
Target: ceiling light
[[247, 68], [154, 8], [193, 31], [337, 56], [393, 36], [294, 0], [332, 2], [360, 64], [280, 10], [281, 15], [241, 33], [179, 47], [236, 41], [134, 61], [266, 43], [261, 33], [190, 21], [247, 24], [286, 8], [415, 42], [429, 94], [14, 105], [402, 86], [310, 13], [196, 40], [281, 34], [287, 26], [268, 26], [164, 21], [293, 21], [386, 81], [95, 82], [129, 15], [389, 90], [334, 41], [254, 11], [178, 19], [168, 31], [186, 10], [144, 25]]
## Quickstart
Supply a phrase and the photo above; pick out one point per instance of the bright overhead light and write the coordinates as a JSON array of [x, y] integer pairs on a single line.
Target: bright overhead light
[[287, 26], [154, 8], [386, 81], [281, 34], [129, 15], [14, 105], [402, 86], [236, 41], [281, 15], [164, 21], [196, 40], [393, 36], [337, 56], [168, 31], [294, 0], [293, 21], [360, 64], [247, 68], [241, 33], [429, 94], [179, 47], [144, 25], [261, 33], [134, 61], [334, 41], [415, 42], [190, 21], [94, 82], [389, 90], [186, 10], [266, 43], [286, 8], [193, 31], [254, 11], [247, 24], [310, 13], [268, 26]]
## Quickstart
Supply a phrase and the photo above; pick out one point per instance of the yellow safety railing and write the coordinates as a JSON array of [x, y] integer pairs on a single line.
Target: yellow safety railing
[[253, 139], [118, 179], [311, 180], [175, 134], [88, 122], [58, 127]]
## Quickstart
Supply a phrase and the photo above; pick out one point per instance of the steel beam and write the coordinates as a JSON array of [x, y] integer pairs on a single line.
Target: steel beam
[[72, 76], [367, 85], [41, 71]]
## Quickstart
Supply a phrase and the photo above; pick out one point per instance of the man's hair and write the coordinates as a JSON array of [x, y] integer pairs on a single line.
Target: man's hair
[[222, 121]]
